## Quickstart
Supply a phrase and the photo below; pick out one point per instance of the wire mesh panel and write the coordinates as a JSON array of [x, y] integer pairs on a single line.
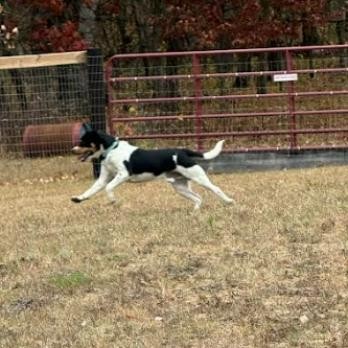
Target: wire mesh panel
[[275, 98], [43, 100]]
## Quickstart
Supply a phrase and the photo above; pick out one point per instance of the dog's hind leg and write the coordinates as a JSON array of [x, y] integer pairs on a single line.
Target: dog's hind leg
[[198, 175], [182, 186]]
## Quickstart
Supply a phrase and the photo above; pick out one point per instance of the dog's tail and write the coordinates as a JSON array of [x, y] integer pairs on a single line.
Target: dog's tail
[[215, 151], [210, 154]]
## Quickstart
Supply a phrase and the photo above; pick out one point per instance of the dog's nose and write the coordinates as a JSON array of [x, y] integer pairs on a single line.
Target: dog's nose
[[75, 150]]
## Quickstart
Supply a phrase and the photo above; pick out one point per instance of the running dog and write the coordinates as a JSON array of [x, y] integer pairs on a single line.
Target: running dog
[[122, 162]]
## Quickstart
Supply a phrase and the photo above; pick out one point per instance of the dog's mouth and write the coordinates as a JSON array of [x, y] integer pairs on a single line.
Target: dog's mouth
[[85, 156], [84, 153]]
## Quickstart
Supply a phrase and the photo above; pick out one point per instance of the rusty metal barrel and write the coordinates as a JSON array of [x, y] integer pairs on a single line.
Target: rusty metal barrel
[[50, 139]]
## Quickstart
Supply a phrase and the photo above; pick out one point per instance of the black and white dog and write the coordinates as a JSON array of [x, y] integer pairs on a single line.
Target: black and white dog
[[121, 162]]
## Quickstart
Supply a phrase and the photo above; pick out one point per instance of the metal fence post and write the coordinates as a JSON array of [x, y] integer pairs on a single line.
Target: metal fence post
[[291, 102], [196, 70], [96, 90]]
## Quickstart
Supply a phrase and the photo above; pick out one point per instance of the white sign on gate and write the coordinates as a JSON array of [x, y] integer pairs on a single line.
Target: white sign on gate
[[285, 77]]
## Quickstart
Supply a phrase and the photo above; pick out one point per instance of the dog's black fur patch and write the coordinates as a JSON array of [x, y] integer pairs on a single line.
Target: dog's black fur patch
[[159, 161]]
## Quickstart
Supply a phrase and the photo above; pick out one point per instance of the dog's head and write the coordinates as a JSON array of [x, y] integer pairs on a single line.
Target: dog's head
[[92, 143]]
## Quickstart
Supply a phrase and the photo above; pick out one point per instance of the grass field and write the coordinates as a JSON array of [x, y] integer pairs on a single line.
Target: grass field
[[148, 272]]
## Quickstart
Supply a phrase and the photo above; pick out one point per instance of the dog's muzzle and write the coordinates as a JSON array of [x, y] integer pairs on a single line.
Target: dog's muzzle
[[83, 152]]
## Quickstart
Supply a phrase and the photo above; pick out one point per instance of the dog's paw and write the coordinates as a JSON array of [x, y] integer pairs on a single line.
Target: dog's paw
[[76, 199], [231, 201]]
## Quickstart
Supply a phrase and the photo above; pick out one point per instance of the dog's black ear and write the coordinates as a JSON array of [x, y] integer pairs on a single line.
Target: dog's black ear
[[86, 127]]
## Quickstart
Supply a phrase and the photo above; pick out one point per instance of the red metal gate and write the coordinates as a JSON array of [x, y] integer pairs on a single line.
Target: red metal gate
[[257, 99]]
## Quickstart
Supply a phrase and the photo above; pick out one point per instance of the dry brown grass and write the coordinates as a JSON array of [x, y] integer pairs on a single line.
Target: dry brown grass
[[269, 272]]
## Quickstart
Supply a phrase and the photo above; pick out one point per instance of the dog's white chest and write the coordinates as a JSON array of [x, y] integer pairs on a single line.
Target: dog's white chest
[[111, 167]]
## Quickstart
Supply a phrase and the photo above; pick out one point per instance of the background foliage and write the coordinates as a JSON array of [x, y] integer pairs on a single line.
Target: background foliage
[[120, 26]]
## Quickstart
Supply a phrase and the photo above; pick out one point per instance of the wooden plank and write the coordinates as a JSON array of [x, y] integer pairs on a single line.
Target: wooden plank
[[41, 60]]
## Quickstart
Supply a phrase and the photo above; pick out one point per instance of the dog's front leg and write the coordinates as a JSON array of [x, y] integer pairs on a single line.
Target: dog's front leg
[[102, 181], [118, 180]]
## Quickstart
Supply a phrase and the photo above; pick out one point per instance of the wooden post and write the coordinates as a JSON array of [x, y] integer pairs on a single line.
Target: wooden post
[[97, 97]]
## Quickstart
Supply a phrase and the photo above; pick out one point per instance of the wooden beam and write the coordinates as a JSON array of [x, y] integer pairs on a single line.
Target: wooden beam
[[41, 60]]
